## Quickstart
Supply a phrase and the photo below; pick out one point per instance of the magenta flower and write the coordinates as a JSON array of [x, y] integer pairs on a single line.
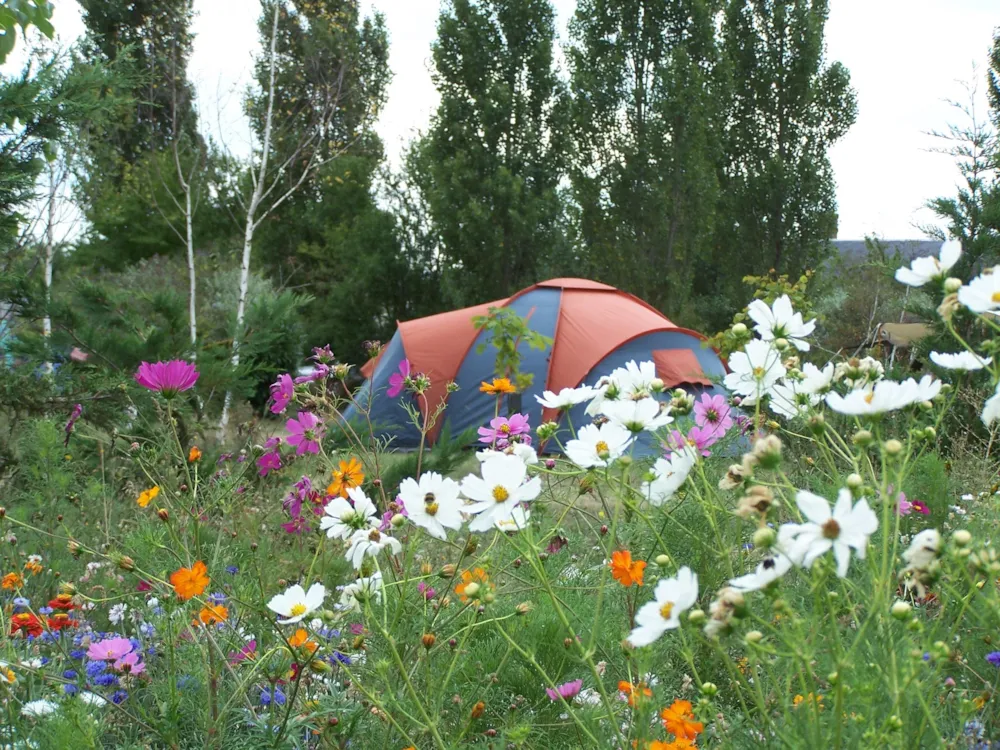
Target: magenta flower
[[427, 591], [699, 438], [110, 649], [169, 378], [903, 506], [713, 412], [320, 373], [271, 460], [503, 429], [305, 433], [323, 354], [249, 651], [567, 691], [130, 663], [921, 508], [397, 381], [73, 416], [282, 393]]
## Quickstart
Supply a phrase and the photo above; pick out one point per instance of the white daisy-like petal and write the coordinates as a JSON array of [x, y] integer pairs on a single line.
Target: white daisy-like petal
[[598, 446], [669, 474], [636, 416], [296, 603], [991, 409], [754, 370], [925, 269], [844, 528], [982, 294], [769, 571], [566, 398], [432, 503], [672, 597], [960, 361]]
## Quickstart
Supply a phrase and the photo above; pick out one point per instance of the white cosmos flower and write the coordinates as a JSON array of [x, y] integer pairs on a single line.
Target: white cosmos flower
[[754, 370], [790, 400], [341, 518], [815, 380], [635, 380], [524, 452], [361, 590], [670, 599], [566, 397], [501, 488], [117, 613], [885, 395], [369, 542], [928, 268], [991, 409], [856, 373], [517, 521], [92, 699], [960, 361], [644, 414], [598, 446], [780, 321], [432, 503], [923, 550], [769, 571], [927, 389], [982, 294], [841, 530], [40, 707], [296, 603], [668, 475]]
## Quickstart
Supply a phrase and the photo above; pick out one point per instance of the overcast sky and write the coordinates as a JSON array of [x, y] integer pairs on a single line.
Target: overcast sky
[[906, 58]]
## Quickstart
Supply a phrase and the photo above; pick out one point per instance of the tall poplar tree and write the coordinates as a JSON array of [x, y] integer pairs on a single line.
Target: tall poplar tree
[[788, 107], [489, 168], [646, 111]]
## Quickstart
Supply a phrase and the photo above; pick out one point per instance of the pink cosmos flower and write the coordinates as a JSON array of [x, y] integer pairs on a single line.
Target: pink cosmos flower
[[320, 373], [143, 586], [249, 651], [110, 649], [322, 354], [699, 438], [713, 411], [397, 381], [503, 429], [78, 355], [903, 506], [282, 393], [130, 663], [567, 691], [169, 378], [921, 508], [305, 433], [268, 462]]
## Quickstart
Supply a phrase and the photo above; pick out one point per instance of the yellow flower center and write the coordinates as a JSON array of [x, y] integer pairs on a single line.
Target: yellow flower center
[[298, 609], [602, 449], [869, 397], [995, 298], [666, 610], [431, 509], [505, 429], [758, 372], [374, 535], [500, 494], [831, 529]]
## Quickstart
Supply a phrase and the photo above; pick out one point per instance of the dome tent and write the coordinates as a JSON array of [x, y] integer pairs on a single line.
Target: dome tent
[[594, 329]]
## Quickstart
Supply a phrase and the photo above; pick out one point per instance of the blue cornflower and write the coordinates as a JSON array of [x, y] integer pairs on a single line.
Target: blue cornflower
[[927, 655], [70, 689], [78, 653], [45, 610], [94, 668], [342, 658], [105, 680], [147, 630], [993, 657], [21, 602], [265, 698], [119, 696], [232, 570], [217, 598], [70, 674]]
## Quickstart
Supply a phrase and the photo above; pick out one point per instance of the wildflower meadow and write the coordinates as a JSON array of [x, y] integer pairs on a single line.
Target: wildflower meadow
[[794, 565]]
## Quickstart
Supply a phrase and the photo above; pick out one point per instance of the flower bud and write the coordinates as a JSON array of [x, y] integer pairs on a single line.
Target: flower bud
[[550, 463], [952, 285], [817, 424], [3, 512], [739, 329], [547, 430], [662, 560], [452, 387], [164, 514], [753, 636], [709, 688], [930, 433], [781, 344], [397, 520], [471, 589], [863, 438], [854, 481], [74, 548], [892, 447], [524, 608], [428, 640], [696, 616], [949, 306], [656, 385], [961, 537], [126, 563], [447, 570], [764, 537], [901, 610], [604, 529]]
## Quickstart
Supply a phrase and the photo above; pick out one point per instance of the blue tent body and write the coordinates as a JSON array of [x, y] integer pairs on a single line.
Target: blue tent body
[[594, 329]]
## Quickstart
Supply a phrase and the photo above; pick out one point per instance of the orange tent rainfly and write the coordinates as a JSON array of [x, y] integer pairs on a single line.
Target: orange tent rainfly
[[594, 329]]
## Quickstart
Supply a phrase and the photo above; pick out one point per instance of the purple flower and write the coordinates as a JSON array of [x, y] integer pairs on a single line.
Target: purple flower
[[73, 416], [169, 378], [320, 373], [322, 354], [397, 381], [503, 429], [282, 392], [567, 691], [110, 649], [993, 657], [903, 506], [921, 508], [714, 412], [305, 433], [268, 462], [428, 591], [130, 663]]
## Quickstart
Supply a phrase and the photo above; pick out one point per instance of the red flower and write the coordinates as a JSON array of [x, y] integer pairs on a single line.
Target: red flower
[[26, 622], [63, 602], [61, 620]]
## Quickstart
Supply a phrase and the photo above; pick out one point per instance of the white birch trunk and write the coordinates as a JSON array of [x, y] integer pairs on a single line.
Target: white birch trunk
[[192, 281], [251, 220], [50, 229]]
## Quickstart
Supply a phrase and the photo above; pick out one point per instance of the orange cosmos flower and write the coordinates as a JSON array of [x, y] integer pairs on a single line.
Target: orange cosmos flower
[[474, 584], [301, 638], [498, 387], [634, 692], [213, 613], [34, 567], [624, 570], [147, 496], [347, 475], [477, 710], [678, 744], [194, 454], [188, 582], [12, 581], [679, 721]]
